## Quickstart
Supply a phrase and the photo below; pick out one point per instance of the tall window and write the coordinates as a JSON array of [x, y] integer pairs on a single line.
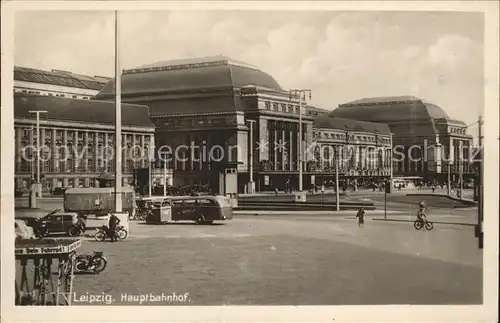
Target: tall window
[[69, 165]]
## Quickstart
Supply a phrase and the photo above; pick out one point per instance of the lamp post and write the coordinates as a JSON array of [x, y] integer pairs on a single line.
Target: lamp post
[[250, 162], [164, 157], [337, 194], [38, 184], [301, 96], [480, 209], [461, 170], [118, 122]]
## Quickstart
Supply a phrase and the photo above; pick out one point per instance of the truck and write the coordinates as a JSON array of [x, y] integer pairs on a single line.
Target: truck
[[97, 201]]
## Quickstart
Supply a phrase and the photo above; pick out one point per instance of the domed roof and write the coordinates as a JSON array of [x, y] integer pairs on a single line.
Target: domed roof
[[387, 109], [327, 122], [187, 75], [407, 116]]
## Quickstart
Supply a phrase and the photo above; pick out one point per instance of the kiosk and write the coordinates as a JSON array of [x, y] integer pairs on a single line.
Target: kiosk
[[38, 260]]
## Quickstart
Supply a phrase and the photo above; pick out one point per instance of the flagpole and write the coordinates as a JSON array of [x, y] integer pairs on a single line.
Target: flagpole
[[118, 126]]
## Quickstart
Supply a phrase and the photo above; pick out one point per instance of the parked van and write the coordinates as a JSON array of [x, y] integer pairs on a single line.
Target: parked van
[[199, 209]]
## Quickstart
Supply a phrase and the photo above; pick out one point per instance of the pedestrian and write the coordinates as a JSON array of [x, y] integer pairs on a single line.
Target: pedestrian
[[361, 217], [113, 222]]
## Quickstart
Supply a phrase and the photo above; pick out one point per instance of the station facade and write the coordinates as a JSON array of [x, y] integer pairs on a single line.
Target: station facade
[[437, 144], [203, 110], [205, 116], [77, 140]]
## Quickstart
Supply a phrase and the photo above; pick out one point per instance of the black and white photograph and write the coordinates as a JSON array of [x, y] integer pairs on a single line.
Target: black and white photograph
[[293, 156]]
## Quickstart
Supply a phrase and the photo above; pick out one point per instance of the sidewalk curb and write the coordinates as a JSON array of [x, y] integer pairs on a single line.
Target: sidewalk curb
[[305, 213], [436, 222]]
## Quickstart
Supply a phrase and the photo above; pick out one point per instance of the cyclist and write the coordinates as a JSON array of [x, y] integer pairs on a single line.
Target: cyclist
[[421, 216]]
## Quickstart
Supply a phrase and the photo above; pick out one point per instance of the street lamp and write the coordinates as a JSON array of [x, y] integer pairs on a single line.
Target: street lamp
[[118, 123], [301, 95], [164, 159], [38, 185], [337, 194], [250, 183]]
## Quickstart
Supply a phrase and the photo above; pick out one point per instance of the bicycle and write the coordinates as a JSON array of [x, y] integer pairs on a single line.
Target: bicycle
[[419, 224]]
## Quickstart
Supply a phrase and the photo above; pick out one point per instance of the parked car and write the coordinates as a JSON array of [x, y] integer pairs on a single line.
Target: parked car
[[58, 191], [59, 223]]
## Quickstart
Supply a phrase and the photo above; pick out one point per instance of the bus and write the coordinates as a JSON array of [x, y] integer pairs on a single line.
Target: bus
[[406, 182], [198, 209]]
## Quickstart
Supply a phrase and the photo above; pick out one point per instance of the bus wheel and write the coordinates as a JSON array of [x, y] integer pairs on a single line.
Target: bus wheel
[[200, 220]]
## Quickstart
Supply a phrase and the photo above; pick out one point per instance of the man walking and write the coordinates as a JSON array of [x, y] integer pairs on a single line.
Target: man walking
[[361, 217], [113, 222]]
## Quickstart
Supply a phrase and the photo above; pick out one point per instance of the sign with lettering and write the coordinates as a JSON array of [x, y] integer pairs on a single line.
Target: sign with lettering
[[48, 249]]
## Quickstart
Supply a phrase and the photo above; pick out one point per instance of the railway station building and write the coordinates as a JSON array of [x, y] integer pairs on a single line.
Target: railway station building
[[206, 116], [211, 103], [440, 143]]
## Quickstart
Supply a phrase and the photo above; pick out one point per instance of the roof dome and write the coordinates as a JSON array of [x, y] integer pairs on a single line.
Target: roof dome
[[174, 76], [407, 116], [387, 109]]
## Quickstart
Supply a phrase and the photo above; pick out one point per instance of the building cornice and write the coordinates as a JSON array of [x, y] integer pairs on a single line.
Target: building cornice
[[197, 114], [81, 125]]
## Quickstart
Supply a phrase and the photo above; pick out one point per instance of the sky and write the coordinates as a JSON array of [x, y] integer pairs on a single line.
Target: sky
[[340, 56]]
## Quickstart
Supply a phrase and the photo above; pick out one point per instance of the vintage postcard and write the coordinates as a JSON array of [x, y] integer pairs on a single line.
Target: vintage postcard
[[250, 161]]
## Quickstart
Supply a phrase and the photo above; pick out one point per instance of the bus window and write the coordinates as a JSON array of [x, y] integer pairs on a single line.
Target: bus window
[[206, 202]]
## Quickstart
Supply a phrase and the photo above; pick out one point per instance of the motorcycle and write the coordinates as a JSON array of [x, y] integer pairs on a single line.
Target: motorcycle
[[78, 229], [102, 233], [41, 229], [95, 263], [122, 232]]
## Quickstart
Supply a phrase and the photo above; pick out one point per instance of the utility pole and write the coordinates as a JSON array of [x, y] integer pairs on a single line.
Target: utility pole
[[480, 209], [387, 187], [337, 194], [32, 164], [301, 95], [165, 177], [38, 186], [449, 177], [251, 188], [150, 176], [461, 169], [118, 122]]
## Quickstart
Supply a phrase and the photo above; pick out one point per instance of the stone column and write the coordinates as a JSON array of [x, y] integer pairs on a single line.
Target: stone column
[[19, 157], [274, 146], [85, 155], [299, 142], [42, 152], [133, 153], [77, 162], [290, 147], [54, 153], [65, 182], [96, 151], [264, 138], [143, 160], [283, 143], [105, 152], [66, 151], [451, 156]]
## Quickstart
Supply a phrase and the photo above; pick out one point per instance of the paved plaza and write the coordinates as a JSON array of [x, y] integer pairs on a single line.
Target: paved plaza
[[290, 260]]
